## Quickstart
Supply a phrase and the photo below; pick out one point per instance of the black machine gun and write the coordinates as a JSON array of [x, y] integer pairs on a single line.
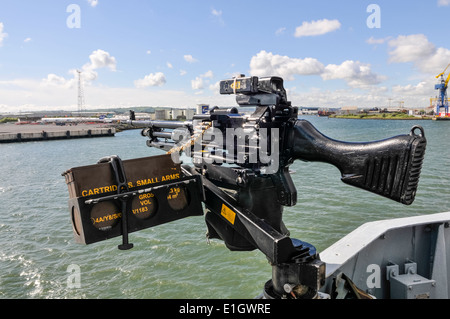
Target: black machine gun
[[242, 162]]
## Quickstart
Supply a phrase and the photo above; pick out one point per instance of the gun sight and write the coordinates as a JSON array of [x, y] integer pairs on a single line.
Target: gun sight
[[255, 91]]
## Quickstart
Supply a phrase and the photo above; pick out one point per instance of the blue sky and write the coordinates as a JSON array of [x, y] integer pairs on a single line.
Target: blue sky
[[173, 53]]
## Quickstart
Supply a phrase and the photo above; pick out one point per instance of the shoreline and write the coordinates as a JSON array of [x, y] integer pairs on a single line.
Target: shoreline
[[423, 118]]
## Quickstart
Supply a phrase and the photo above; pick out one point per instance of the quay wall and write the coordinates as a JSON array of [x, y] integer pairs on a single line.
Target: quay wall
[[30, 133]]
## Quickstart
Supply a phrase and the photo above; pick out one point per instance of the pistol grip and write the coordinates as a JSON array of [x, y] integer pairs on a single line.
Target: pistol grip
[[393, 174], [390, 167]]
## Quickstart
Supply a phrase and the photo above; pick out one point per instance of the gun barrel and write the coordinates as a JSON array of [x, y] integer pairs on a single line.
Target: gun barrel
[[202, 117], [389, 167], [166, 135], [159, 124]]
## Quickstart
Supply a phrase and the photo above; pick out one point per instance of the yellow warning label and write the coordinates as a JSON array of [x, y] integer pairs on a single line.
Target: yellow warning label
[[228, 214], [238, 85]]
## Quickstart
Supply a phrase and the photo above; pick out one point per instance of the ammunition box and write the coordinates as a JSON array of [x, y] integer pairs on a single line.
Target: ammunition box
[[157, 193]]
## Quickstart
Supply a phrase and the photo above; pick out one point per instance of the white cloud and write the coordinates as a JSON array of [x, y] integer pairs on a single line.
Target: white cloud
[[416, 95], [417, 49], [410, 48], [269, 64], [102, 59], [217, 13], [318, 27], [199, 83], [27, 40], [157, 79], [169, 65], [209, 74], [98, 59], [280, 31], [57, 81], [435, 63], [320, 97], [423, 88], [355, 73], [215, 88], [28, 94], [20, 84], [31, 95], [183, 72], [443, 3], [189, 58], [93, 3], [373, 40], [3, 35]]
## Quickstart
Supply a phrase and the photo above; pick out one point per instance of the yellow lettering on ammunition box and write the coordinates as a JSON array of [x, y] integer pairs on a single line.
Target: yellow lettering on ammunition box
[[177, 197], [228, 214], [153, 180], [99, 190], [170, 177], [146, 202], [144, 205], [144, 182], [142, 209], [106, 218], [147, 195], [173, 192]]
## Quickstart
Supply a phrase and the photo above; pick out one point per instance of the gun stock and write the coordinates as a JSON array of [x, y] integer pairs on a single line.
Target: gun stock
[[389, 167]]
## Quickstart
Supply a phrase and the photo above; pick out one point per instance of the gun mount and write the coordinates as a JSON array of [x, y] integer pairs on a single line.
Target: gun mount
[[241, 165]]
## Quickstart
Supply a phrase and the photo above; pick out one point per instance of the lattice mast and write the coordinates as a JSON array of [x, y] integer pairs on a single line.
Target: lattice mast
[[80, 94]]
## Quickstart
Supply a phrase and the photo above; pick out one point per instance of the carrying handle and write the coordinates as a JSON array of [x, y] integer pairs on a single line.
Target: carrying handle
[[122, 187]]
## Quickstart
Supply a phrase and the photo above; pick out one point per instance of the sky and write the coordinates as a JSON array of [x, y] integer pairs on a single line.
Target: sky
[[332, 53]]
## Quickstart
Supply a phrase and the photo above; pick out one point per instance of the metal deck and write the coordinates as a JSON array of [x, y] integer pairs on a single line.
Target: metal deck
[[407, 258]]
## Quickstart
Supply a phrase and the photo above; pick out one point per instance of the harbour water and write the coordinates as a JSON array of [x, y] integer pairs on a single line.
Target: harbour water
[[174, 261]]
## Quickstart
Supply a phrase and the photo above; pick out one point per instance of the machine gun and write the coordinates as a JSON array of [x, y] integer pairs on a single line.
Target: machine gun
[[242, 162]]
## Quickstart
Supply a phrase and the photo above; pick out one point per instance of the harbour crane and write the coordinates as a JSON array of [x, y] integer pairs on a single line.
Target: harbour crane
[[442, 100]]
